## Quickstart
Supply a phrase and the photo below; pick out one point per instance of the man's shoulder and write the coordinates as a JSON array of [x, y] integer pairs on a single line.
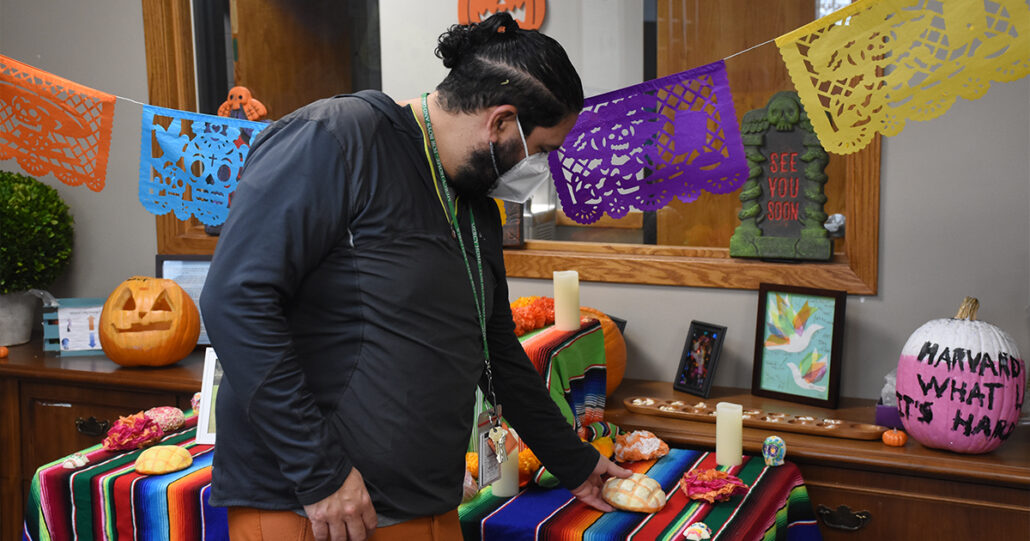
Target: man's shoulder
[[345, 112]]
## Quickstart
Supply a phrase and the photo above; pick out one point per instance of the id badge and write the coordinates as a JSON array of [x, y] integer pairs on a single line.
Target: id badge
[[489, 468]]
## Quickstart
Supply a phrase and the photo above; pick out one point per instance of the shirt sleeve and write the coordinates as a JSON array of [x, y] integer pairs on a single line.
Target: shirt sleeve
[[525, 401], [289, 211]]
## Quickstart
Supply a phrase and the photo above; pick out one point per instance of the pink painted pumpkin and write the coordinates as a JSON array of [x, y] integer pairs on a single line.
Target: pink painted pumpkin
[[961, 383]]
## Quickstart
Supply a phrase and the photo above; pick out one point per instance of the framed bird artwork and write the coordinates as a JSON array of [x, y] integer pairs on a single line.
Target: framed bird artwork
[[798, 344]]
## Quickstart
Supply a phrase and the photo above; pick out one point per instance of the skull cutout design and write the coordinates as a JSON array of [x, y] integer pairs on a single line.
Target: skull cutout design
[[148, 322]]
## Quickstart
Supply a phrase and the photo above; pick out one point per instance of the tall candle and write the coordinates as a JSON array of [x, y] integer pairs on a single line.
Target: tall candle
[[508, 484], [566, 300], [729, 428]]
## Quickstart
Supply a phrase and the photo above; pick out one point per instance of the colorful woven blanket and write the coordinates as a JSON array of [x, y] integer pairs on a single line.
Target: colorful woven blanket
[[776, 507], [573, 367], [107, 499]]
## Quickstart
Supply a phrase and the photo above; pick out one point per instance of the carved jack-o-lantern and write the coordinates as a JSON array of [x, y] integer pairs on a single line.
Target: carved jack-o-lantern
[[529, 13], [148, 322]]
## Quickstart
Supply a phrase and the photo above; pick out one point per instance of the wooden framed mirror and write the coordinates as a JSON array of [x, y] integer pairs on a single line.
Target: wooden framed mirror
[[689, 33]]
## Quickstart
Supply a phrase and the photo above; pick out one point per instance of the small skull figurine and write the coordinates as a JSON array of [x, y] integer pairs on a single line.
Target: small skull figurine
[[240, 104], [773, 449]]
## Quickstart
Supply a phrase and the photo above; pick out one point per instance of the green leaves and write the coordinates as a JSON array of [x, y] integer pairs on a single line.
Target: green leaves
[[35, 234]]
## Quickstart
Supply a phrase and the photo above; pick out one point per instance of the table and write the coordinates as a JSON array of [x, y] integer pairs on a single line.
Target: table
[[42, 397], [910, 492], [776, 506], [107, 499]]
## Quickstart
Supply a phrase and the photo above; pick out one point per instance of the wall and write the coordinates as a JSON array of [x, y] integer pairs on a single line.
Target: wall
[[99, 46], [955, 194]]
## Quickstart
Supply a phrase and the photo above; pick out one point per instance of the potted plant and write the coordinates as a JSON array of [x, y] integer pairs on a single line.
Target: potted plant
[[35, 248]]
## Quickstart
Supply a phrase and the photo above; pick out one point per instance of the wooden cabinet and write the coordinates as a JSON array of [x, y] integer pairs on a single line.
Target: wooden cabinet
[[908, 492], [43, 397]]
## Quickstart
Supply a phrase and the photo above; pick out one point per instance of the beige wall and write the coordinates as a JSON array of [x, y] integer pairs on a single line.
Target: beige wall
[[100, 45], [954, 221]]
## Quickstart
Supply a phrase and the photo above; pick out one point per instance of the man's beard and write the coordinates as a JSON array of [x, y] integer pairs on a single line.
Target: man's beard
[[477, 177]]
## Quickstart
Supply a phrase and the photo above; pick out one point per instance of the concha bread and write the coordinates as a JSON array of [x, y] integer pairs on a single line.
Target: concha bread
[[162, 459], [636, 493]]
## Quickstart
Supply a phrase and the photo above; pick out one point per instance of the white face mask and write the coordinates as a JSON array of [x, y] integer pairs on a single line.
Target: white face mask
[[518, 183]]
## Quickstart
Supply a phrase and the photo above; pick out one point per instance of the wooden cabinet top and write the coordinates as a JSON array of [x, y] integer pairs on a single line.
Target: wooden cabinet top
[[1008, 465], [28, 361]]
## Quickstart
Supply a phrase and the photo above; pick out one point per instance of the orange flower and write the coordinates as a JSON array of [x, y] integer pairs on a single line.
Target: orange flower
[[528, 462], [472, 464]]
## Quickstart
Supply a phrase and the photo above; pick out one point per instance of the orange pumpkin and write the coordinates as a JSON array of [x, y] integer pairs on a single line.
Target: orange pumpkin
[[474, 11], [895, 438], [614, 347], [148, 322]]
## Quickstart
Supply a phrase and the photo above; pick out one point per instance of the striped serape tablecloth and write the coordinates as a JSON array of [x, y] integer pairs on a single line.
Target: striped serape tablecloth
[[572, 365], [776, 506], [107, 499]]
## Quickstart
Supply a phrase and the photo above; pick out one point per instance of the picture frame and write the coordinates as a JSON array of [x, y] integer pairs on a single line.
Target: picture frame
[[799, 340], [212, 378], [700, 358], [190, 272]]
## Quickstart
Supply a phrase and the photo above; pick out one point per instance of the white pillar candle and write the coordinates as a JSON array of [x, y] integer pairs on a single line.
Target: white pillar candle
[[566, 300], [508, 485], [729, 428]]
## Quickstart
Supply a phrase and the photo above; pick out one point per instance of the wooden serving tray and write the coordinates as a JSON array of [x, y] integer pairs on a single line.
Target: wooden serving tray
[[755, 418]]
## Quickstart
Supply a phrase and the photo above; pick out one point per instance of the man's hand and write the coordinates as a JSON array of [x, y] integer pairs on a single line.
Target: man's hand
[[346, 515], [590, 491]]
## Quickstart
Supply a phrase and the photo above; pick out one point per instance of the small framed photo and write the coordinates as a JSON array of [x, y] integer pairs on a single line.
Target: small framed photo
[[798, 344], [208, 395], [700, 358]]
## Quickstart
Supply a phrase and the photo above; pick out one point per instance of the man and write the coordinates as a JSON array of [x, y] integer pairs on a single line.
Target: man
[[358, 296]]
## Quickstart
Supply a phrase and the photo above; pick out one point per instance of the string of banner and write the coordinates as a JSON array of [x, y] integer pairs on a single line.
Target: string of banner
[[863, 70]]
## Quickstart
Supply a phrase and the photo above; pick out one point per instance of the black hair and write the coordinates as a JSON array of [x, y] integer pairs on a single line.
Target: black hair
[[495, 62]]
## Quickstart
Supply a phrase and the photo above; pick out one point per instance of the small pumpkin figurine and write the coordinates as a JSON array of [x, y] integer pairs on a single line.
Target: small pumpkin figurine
[[148, 322], [894, 438], [960, 383]]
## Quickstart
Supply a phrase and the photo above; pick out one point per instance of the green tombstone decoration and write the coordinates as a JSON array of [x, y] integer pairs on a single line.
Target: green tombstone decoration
[[782, 214]]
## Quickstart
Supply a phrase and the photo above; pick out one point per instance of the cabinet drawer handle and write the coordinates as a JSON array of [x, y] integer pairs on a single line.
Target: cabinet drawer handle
[[55, 404], [843, 518], [92, 426]]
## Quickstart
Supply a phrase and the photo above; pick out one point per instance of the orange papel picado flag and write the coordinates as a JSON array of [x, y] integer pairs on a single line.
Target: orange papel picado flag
[[53, 125]]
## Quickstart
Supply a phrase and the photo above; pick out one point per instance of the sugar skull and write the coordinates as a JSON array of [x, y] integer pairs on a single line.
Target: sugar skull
[[774, 450]]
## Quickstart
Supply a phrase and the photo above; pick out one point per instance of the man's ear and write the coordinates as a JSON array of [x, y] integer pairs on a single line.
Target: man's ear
[[501, 119]]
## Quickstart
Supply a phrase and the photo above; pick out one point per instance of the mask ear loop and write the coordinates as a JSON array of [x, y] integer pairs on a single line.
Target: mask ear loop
[[493, 160], [525, 146]]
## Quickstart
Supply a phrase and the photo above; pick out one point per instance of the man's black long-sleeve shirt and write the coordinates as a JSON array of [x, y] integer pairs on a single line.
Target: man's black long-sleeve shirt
[[343, 317]]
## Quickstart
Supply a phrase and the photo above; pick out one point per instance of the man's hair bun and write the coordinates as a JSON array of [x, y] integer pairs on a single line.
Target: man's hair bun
[[461, 40]]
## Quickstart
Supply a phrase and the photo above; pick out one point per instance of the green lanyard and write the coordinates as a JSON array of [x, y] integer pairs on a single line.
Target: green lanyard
[[479, 297]]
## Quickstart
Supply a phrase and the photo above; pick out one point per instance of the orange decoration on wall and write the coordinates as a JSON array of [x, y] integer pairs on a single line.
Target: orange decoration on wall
[[53, 125], [529, 13], [241, 104]]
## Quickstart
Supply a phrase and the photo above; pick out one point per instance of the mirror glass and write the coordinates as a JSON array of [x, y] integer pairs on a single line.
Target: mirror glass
[[292, 53]]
